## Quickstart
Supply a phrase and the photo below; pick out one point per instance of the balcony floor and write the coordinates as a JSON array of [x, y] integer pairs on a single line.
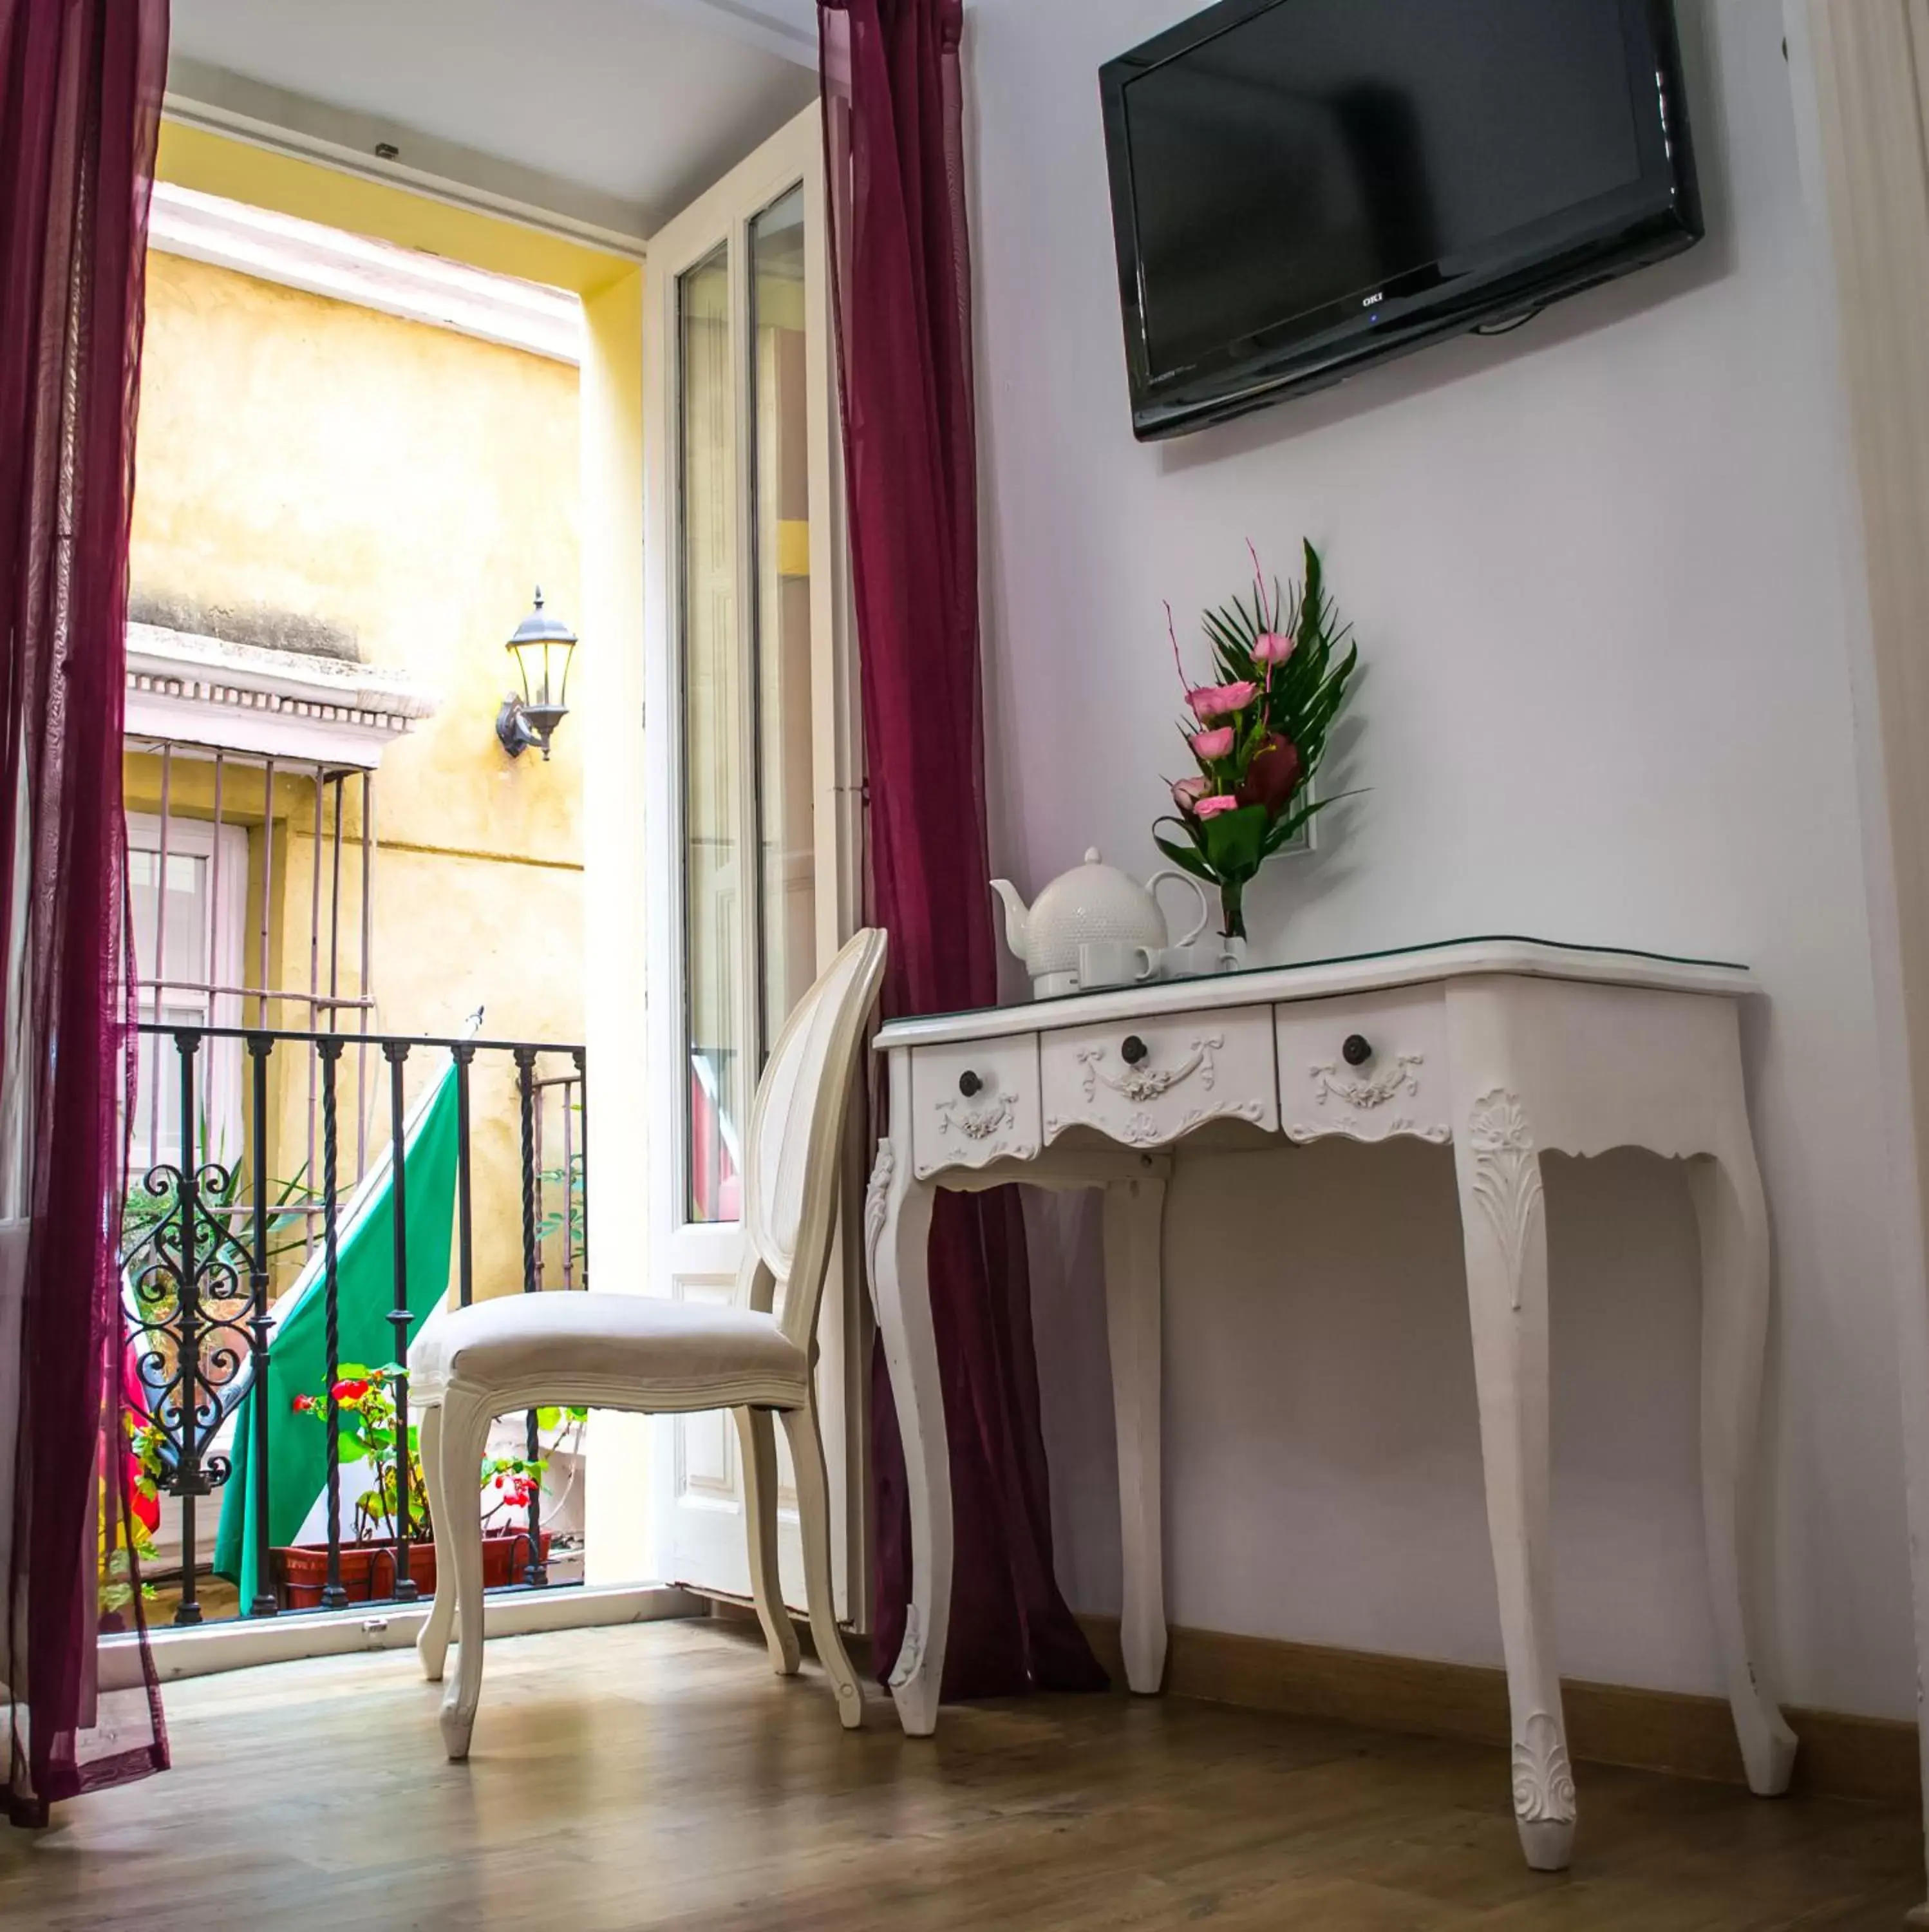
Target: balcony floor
[[658, 1775]]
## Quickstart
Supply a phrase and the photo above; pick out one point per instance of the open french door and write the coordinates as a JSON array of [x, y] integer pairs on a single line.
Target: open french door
[[750, 735]]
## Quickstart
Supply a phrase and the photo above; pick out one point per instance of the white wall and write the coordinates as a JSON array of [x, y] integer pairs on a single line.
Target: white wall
[[1597, 574]]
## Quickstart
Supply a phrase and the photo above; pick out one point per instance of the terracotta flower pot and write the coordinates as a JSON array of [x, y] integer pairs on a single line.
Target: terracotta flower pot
[[300, 1572]]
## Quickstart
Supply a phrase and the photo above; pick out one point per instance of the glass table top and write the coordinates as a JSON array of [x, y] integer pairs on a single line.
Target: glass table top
[[1361, 959]]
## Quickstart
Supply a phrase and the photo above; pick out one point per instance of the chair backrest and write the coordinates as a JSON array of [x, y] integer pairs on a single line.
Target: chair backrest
[[792, 1153]]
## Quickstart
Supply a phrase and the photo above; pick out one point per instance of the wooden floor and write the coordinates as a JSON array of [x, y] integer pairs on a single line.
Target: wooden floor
[[659, 1775]]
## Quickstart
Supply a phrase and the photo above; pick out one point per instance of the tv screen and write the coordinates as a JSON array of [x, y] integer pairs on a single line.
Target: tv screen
[[1301, 185]]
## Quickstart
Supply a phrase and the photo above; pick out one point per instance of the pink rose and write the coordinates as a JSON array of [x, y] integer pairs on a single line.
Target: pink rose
[[1211, 808], [1207, 745], [1221, 700], [1187, 792], [1273, 647]]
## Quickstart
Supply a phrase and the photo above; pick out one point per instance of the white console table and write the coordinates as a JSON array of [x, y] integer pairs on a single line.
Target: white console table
[[1506, 1048]]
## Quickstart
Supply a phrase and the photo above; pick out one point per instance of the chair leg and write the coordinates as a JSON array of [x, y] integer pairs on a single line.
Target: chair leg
[[813, 1511], [432, 1646], [757, 1434], [465, 1434]]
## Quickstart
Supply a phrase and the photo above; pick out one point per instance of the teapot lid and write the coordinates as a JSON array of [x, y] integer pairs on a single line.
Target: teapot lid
[[1094, 877]]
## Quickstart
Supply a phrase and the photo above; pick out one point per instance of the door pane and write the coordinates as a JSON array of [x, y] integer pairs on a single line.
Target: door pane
[[170, 940], [170, 947], [781, 538], [713, 699]]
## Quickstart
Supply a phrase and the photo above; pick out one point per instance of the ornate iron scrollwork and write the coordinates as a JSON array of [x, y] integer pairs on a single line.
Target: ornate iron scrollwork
[[189, 1303]]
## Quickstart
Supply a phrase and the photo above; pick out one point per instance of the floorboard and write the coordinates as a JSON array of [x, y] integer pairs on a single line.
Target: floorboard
[[658, 1775]]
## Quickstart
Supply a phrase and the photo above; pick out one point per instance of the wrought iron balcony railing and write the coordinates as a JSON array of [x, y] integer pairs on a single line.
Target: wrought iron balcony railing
[[204, 1233]]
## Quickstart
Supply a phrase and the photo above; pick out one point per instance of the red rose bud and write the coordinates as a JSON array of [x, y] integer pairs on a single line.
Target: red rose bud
[[1273, 776]]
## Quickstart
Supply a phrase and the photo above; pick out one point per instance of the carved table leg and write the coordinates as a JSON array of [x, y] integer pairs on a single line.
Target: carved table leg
[[1727, 1191], [1504, 1227], [1134, 1219], [897, 1225]]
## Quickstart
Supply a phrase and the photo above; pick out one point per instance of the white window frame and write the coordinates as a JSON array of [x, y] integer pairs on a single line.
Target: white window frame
[[219, 1076]]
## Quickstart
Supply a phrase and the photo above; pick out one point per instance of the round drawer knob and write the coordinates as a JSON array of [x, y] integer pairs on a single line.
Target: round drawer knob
[[1357, 1050], [1133, 1051], [969, 1084]]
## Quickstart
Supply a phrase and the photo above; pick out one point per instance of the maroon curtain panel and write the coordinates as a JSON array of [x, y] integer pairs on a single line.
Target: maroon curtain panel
[[80, 93], [901, 272]]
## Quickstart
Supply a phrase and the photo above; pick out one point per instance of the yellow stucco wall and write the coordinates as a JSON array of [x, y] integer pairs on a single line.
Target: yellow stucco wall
[[301, 458], [407, 483]]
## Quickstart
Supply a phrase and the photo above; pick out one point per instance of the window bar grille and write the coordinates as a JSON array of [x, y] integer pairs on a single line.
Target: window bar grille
[[160, 947], [579, 1059], [537, 1572], [239, 979], [395, 1051], [211, 955], [335, 911], [329, 1051], [340, 782], [263, 1016], [464, 1053], [567, 1087], [537, 1089], [568, 1188], [188, 1482], [211, 973], [259, 1047], [365, 1012], [314, 1007]]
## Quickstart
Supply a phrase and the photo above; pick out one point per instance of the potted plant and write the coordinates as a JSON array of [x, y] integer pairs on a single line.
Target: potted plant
[[1258, 734], [120, 1567], [366, 1432]]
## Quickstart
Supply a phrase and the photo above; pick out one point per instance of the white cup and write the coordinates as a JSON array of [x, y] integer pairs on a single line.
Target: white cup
[[1112, 962], [1195, 958]]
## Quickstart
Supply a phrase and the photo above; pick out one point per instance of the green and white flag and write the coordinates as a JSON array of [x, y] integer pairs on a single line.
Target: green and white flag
[[297, 1364]]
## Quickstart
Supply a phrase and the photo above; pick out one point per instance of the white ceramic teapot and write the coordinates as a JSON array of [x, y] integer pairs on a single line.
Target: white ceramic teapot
[[1092, 901]]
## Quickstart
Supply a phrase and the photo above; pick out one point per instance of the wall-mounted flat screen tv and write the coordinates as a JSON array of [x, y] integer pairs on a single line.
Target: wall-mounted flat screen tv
[[1299, 186]]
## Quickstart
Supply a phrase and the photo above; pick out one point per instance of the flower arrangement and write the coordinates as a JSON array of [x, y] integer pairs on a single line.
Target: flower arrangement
[[1259, 733], [366, 1432]]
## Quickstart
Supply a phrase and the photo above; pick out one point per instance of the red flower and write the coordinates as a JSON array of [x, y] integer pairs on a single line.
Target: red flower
[[303, 1405], [1273, 775], [349, 1391]]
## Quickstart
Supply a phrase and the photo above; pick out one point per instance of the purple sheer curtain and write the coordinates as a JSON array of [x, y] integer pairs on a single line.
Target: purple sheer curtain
[[80, 94], [901, 270]]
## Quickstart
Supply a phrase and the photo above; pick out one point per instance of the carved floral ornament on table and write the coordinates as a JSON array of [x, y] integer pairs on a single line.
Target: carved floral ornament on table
[[1258, 734]]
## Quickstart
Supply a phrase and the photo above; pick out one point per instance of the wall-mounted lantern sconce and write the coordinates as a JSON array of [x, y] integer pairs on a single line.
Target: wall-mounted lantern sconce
[[542, 647]]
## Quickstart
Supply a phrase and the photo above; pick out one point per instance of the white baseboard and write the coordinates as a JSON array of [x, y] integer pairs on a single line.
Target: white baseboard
[[246, 1641]]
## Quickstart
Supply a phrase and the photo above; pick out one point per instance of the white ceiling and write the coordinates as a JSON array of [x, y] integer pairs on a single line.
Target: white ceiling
[[625, 108]]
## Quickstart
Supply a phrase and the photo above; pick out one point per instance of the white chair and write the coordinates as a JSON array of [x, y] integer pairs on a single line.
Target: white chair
[[640, 1352]]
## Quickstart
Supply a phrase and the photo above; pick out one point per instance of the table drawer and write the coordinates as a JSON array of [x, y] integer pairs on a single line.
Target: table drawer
[[1147, 1081], [975, 1103], [1369, 1066]]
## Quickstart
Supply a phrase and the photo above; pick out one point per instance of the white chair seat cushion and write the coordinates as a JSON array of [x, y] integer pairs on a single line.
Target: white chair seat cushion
[[562, 1338]]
